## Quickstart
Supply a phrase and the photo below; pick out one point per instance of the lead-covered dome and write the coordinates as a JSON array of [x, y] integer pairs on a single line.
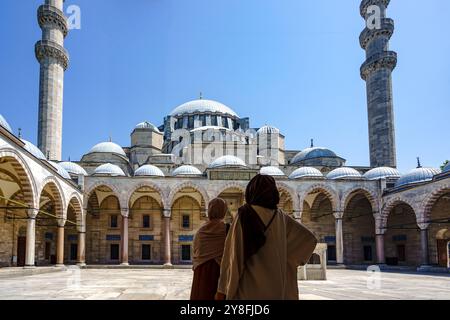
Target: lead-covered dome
[[227, 161], [344, 173], [186, 170], [5, 124], [147, 125], [107, 147], [73, 168], [62, 172], [109, 169], [268, 130], [31, 148], [306, 172], [417, 175], [313, 153], [382, 173], [201, 106], [148, 170], [271, 171]]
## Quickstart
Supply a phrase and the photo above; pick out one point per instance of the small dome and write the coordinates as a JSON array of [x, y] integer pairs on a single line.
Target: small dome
[[227, 161], [5, 124], [107, 147], [268, 130], [109, 170], [447, 168], [186, 171], [343, 173], [62, 172], [31, 148], [148, 171], [200, 106], [417, 175], [382, 173], [306, 172], [147, 125], [272, 171], [313, 153], [73, 168]]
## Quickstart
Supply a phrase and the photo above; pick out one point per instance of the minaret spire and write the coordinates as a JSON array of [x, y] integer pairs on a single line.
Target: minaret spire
[[54, 60], [376, 71]]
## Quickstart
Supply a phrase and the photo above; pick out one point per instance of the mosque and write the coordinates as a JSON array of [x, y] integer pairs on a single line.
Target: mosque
[[142, 204]]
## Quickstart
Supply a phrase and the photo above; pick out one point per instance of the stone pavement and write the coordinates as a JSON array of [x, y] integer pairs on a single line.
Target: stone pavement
[[138, 284]]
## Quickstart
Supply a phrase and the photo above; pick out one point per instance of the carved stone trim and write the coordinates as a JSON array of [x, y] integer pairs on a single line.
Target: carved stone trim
[[387, 29], [49, 49], [387, 59], [366, 3], [50, 15]]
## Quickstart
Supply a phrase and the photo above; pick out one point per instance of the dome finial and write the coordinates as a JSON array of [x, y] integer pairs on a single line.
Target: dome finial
[[418, 163], [312, 143], [20, 133], [110, 138], [201, 95]]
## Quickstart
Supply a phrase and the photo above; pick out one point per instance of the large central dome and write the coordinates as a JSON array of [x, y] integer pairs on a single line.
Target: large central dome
[[202, 105]]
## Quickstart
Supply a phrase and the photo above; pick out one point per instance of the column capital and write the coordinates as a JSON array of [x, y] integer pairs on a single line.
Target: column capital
[[61, 222], [124, 212], [167, 213], [423, 226], [338, 215], [32, 213], [297, 214]]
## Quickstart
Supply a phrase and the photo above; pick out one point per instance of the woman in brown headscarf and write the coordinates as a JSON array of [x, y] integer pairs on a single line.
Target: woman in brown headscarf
[[264, 248], [208, 249]]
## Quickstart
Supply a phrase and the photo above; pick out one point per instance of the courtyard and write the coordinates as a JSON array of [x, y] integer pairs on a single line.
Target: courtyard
[[174, 284]]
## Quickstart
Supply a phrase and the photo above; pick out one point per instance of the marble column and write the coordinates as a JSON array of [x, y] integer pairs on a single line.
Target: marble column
[[167, 239], [424, 254], [380, 249], [31, 239], [339, 238], [81, 249], [60, 246], [124, 237]]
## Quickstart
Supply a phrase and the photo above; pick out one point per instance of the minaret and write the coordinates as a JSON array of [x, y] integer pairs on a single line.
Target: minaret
[[376, 71], [54, 60]]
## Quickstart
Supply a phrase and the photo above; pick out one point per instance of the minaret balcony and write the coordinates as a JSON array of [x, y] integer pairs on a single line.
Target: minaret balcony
[[367, 3], [386, 30], [49, 49], [386, 59], [49, 15]]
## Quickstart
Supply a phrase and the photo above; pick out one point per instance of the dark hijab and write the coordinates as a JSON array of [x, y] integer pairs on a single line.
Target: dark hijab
[[261, 191]]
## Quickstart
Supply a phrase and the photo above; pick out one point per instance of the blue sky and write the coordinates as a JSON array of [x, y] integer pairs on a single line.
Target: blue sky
[[290, 63]]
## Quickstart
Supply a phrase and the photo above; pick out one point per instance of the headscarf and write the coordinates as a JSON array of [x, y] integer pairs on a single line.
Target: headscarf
[[261, 191], [209, 241]]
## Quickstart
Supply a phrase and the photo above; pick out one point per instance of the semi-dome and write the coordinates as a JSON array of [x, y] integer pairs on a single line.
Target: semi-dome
[[227, 161], [382, 173], [107, 147], [148, 170], [417, 175], [73, 168], [344, 173], [62, 172], [268, 130], [5, 124], [202, 105], [306, 172], [109, 170], [313, 153], [31, 148], [272, 171], [147, 125], [447, 168], [186, 170]]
